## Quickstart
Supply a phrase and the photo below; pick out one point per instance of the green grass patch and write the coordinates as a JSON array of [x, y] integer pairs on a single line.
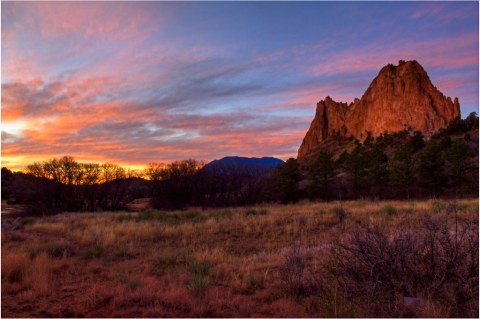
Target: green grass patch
[[438, 206], [389, 210]]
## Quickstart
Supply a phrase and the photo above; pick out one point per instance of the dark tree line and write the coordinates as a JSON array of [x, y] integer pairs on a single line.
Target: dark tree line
[[399, 165], [63, 184], [189, 182]]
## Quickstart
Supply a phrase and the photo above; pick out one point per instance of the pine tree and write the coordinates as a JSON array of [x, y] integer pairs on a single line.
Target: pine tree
[[459, 163], [431, 168], [356, 167], [322, 174], [287, 177], [401, 170], [377, 173]]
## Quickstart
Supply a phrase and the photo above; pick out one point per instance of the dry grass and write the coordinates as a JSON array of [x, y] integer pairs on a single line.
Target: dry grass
[[267, 260]]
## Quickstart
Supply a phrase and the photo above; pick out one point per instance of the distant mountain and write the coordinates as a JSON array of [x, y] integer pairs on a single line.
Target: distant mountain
[[400, 97], [250, 164]]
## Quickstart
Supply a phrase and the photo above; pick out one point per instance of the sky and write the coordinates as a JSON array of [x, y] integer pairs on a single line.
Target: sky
[[139, 82]]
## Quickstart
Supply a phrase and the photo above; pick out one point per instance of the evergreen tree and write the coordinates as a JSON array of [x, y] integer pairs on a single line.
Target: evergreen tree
[[356, 167], [401, 170], [377, 173], [287, 177], [416, 142], [459, 163], [322, 174], [431, 168]]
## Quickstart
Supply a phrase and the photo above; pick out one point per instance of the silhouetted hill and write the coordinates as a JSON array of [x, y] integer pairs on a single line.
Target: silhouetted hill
[[235, 163]]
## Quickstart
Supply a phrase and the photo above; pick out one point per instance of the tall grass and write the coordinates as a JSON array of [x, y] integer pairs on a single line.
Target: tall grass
[[352, 258]]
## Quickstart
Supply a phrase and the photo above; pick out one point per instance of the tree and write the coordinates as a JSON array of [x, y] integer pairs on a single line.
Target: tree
[[459, 163], [175, 185], [401, 170], [431, 168], [286, 179], [322, 174], [356, 167], [7, 180], [376, 172]]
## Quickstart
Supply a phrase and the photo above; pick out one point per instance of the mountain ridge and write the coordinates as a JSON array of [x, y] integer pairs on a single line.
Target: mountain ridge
[[233, 162]]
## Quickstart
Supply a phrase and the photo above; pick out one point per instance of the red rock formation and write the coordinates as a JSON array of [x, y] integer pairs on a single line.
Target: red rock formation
[[399, 97]]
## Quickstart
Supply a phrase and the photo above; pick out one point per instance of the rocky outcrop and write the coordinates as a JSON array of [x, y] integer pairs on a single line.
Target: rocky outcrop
[[400, 97]]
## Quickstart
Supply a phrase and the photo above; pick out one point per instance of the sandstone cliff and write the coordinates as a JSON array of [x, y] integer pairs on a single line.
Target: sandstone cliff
[[399, 97]]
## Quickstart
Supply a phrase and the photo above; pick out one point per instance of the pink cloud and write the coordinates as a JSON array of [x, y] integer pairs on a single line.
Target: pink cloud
[[435, 53]]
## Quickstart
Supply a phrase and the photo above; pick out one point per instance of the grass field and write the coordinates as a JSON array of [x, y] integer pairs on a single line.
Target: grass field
[[358, 258]]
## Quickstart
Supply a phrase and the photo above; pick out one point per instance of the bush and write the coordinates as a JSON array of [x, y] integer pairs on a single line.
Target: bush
[[425, 262], [122, 252], [93, 252], [389, 210], [340, 213], [26, 221], [123, 278], [198, 276], [296, 280], [256, 212], [220, 214], [14, 266], [168, 261], [438, 206], [53, 250], [172, 218]]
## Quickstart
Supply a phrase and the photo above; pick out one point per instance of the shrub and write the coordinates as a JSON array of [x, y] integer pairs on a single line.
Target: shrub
[[247, 285], [123, 218], [425, 261], [172, 218], [438, 206], [14, 266], [220, 214], [93, 252], [26, 221], [122, 252], [123, 278], [409, 210], [168, 261], [251, 282], [389, 210], [194, 217], [296, 281], [340, 213], [256, 212], [52, 250], [197, 276]]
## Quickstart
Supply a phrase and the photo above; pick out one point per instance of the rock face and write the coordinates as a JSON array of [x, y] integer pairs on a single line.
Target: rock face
[[400, 97]]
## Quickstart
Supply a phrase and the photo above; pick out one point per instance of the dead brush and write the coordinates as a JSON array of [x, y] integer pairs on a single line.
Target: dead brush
[[435, 260], [296, 279]]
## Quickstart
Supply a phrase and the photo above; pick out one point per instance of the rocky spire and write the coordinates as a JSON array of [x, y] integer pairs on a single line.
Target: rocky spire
[[399, 97]]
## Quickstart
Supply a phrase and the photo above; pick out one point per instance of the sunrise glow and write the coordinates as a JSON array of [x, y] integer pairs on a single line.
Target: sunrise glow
[[133, 83]]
